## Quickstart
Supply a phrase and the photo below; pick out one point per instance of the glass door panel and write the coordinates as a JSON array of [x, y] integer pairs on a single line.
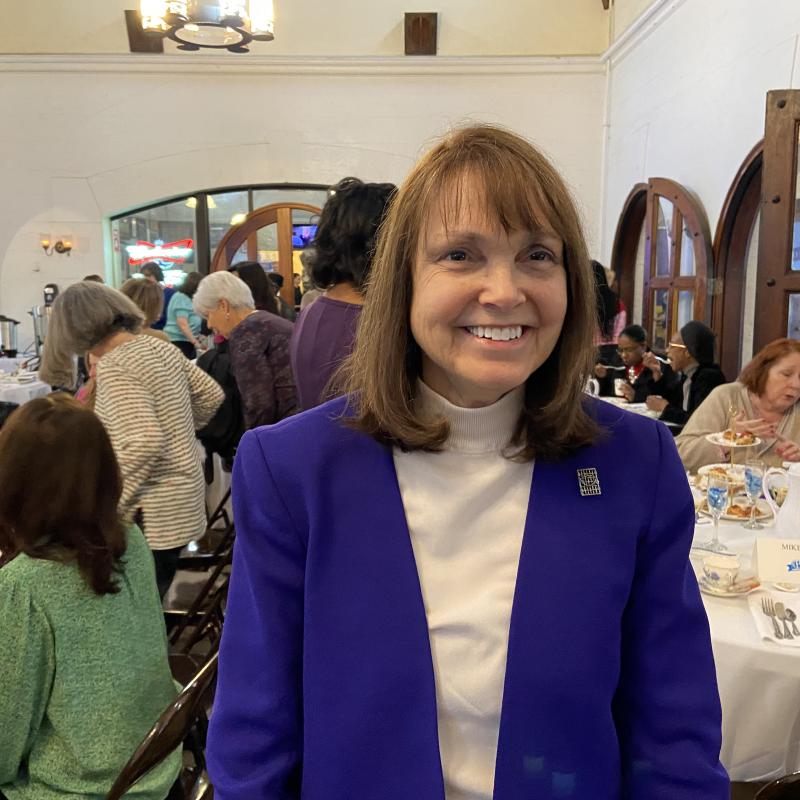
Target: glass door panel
[[685, 307], [793, 324], [660, 331], [267, 247], [663, 242], [687, 252]]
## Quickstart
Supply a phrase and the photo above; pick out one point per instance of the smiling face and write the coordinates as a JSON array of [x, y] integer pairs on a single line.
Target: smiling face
[[488, 305], [782, 389]]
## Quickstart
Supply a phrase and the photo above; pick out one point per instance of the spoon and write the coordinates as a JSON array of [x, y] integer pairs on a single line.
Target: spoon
[[791, 616], [780, 612]]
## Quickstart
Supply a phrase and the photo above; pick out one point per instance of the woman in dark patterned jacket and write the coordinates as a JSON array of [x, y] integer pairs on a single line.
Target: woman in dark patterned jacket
[[258, 347]]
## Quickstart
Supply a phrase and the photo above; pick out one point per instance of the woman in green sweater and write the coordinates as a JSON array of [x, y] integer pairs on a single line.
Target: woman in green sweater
[[83, 651]]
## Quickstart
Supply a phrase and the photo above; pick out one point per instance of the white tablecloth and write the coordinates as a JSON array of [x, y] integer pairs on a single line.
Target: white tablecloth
[[22, 392], [12, 364], [759, 681]]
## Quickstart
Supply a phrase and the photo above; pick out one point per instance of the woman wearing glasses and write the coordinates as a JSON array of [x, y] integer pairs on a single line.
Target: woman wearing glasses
[[638, 377], [695, 375]]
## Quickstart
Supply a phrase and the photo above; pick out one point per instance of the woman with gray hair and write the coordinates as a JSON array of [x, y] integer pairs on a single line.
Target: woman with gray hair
[[258, 344], [151, 400]]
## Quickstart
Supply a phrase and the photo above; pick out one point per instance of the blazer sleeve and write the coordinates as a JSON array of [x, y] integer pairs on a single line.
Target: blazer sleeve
[[255, 737], [666, 707]]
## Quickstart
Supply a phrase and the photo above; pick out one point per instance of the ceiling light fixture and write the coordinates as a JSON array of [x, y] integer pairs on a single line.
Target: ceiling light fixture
[[217, 24]]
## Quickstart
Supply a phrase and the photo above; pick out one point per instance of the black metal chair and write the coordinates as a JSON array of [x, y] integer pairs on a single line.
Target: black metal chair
[[184, 721], [785, 788], [206, 613]]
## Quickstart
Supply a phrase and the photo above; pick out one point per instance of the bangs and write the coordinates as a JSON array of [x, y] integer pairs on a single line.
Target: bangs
[[494, 187]]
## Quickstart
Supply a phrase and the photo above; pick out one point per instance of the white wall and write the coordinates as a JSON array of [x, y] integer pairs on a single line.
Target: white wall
[[86, 138], [624, 13], [687, 96], [343, 27]]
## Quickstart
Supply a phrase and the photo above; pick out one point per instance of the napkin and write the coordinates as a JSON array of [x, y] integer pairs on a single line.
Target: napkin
[[764, 623]]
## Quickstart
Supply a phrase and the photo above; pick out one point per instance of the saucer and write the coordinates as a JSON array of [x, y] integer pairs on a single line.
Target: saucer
[[738, 589], [786, 587]]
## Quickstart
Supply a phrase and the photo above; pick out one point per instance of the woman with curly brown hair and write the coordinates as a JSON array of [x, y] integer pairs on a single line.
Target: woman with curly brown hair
[[83, 657]]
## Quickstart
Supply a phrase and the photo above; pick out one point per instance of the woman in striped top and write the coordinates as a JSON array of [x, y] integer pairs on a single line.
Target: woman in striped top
[[151, 400]]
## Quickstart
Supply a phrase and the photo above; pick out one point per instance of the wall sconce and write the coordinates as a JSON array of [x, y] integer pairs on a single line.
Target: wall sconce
[[61, 246]]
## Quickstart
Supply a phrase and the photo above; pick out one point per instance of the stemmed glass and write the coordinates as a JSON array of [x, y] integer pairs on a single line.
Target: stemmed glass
[[717, 501], [753, 485]]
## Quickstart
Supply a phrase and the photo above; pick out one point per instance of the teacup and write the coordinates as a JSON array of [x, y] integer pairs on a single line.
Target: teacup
[[720, 571]]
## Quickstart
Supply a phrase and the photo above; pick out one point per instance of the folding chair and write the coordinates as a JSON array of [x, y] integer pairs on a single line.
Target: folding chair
[[184, 720]]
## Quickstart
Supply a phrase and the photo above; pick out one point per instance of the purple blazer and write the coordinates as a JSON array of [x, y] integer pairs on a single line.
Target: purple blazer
[[326, 684]]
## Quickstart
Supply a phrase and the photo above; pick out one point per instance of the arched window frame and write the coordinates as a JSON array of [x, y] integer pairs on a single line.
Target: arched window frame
[[641, 211]]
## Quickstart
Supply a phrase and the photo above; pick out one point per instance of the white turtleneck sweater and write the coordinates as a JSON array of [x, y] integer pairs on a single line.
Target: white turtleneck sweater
[[466, 510]]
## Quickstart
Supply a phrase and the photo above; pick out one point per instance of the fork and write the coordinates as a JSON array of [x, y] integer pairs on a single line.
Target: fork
[[768, 607]]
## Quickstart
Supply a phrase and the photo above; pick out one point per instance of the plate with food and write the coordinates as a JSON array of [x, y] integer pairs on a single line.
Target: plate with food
[[733, 472], [738, 510], [731, 439], [738, 589]]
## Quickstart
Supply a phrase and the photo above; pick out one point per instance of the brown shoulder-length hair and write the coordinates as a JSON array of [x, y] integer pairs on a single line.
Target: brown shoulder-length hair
[[754, 375], [148, 297], [59, 489], [521, 190]]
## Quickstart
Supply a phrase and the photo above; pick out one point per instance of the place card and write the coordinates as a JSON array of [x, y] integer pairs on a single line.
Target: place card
[[777, 560]]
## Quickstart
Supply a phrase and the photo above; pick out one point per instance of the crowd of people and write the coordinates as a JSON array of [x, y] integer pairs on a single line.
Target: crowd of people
[[430, 394]]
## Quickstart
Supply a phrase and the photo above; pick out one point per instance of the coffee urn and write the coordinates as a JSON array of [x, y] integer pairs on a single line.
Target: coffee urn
[[41, 317]]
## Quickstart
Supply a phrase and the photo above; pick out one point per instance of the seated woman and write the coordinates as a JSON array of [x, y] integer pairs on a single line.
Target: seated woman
[[763, 402], [151, 400], [258, 345], [340, 264], [84, 653], [693, 377], [183, 325], [632, 347]]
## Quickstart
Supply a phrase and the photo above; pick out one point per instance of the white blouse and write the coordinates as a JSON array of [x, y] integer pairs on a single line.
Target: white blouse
[[466, 509]]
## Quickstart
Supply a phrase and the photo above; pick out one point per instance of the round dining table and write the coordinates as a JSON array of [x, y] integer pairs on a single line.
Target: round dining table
[[759, 680], [12, 391]]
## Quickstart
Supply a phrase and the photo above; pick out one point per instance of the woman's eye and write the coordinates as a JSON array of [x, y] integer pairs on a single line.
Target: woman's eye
[[456, 255], [539, 254]]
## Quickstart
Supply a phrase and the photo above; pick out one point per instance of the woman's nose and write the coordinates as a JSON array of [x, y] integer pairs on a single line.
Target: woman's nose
[[501, 287]]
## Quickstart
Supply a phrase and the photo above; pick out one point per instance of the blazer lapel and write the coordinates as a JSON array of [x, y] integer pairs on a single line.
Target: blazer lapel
[[554, 642]]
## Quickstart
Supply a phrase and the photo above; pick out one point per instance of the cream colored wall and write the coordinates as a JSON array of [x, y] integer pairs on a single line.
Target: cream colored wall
[[624, 13], [85, 139], [687, 98], [344, 27]]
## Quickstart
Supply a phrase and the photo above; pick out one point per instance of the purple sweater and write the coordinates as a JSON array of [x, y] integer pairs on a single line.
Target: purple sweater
[[323, 337]]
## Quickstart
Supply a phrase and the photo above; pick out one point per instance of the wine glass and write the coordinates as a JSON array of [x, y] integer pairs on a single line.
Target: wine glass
[[717, 501], [753, 485]]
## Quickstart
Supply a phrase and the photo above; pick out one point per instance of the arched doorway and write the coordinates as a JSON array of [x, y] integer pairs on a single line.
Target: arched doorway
[[735, 249], [665, 226], [273, 230], [777, 295]]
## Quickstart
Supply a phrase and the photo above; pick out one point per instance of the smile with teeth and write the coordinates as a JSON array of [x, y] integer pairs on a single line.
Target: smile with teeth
[[496, 334]]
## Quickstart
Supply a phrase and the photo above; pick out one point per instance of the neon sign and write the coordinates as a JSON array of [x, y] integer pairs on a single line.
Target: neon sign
[[165, 252]]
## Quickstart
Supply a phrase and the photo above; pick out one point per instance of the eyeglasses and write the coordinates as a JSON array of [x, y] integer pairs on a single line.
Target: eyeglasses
[[676, 346]]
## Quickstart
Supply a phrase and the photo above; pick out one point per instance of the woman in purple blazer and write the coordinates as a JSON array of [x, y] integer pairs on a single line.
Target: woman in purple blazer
[[466, 580]]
